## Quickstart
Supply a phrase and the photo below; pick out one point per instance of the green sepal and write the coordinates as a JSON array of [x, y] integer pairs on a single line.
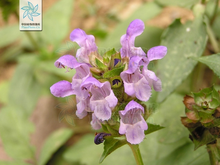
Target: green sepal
[[207, 98], [117, 85], [113, 129], [113, 72], [214, 123], [100, 64], [152, 128], [192, 114], [108, 55], [111, 145], [112, 63], [105, 129], [205, 138]]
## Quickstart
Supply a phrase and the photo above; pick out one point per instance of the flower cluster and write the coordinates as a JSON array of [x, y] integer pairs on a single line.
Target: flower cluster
[[105, 85]]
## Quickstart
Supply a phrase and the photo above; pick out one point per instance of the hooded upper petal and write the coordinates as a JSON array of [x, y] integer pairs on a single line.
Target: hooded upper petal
[[128, 49], [86, 42], [62, 89], [156, 52], [66, 61]]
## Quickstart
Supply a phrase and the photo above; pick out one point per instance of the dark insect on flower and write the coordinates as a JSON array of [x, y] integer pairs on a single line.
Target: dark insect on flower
[[100, 137]]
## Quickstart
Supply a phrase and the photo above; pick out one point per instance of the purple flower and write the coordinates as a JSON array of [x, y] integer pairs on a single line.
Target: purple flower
[[132, 123], [86, 42], [103, 99], [128, 49], [65, 88], [135, 84]]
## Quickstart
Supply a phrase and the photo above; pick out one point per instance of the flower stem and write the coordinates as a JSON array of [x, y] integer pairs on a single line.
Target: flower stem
[[137, 154], [212, 37], [214, 154]]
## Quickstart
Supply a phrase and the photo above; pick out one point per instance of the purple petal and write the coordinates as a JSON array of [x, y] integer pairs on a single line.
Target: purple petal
[[82, 55], [137, 61], [111, 99], [143, 124], [82, 107], [128, 49], [137, 51], [132, 105], [152, 79], [86, 42], [96, 123], [78, 36], [62, 89], [134, 134], [122, 128], [89, 81], [142, 90], [101, 109], [135, 28], [66, 61], [136, 84], [156, 52]]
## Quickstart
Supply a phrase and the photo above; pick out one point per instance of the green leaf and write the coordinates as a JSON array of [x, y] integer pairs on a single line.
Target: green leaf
[[24, 90], [152, 128], [53, 143], [187, 4], [111, 145], [15, 130], [167, 145], [185, 155], [212, 62], [113, 72], [145, 13], [57, 24], [10, 34], [183, 43], [86, 152]]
